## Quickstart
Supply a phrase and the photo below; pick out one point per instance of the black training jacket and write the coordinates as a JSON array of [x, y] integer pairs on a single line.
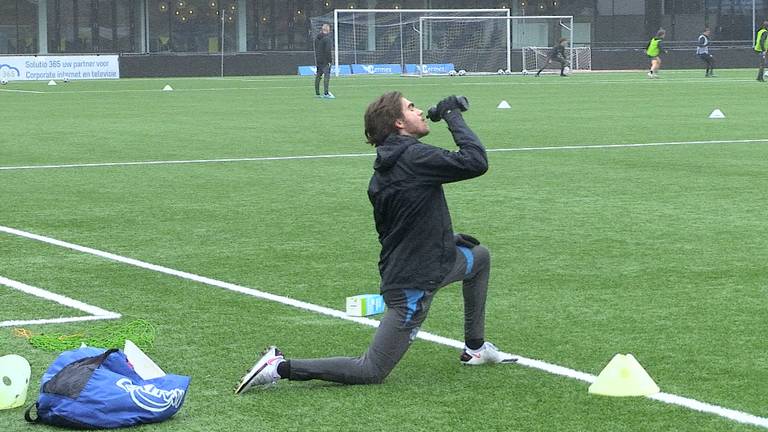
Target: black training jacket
[[323, 48], [409, 207]]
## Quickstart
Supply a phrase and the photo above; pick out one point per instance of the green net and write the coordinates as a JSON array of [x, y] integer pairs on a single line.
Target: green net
[[140, 332]]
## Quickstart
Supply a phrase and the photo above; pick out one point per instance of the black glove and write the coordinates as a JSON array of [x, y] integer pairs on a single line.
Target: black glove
[[451, 103], [448, 104], [465, 240]]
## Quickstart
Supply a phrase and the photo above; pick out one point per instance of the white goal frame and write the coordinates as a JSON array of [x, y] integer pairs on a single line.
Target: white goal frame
[[509, 19], [336, 13]]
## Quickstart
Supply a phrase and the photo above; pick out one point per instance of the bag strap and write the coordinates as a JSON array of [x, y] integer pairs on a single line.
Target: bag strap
[[103, 356], [28, 414]]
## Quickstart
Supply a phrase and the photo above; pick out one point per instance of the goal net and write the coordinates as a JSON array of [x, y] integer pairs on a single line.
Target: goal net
[[535, 58], [491, 45], [385, 36]]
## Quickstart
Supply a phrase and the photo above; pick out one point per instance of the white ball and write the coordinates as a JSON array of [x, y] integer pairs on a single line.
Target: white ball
[[765, 74], [3, 81], [567, 70], [507, 72], [452, 73], [66, 80], [500, 72], [462, 72], [525, 72]]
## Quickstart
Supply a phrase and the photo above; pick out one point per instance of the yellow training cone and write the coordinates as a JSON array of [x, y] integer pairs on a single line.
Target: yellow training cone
[[14, 381], [623, 376]]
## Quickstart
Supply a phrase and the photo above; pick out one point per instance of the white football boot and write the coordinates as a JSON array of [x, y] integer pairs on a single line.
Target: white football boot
[[264, 372], [486, 354]]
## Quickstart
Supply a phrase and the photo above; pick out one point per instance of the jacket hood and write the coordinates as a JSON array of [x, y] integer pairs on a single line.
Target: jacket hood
[[390, 151]]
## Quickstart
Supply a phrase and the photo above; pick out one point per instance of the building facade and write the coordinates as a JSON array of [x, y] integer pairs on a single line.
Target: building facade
[[196, 26]]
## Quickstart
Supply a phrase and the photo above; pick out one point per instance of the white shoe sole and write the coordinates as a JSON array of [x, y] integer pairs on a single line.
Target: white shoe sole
[[245, 382]]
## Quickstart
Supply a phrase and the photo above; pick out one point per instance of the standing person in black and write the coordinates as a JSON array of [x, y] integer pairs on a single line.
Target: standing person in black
[[702, 51], [419, 251], [323, 59], [557, 53]]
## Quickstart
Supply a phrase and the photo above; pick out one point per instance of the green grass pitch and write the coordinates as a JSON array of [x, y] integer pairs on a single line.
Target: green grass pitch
[[659, 251]]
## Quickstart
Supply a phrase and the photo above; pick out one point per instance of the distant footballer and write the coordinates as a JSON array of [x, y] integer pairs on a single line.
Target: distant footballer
[[557, 54], [654, 50]]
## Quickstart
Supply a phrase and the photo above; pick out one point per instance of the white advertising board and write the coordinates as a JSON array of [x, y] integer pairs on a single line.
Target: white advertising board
[[39, 68]]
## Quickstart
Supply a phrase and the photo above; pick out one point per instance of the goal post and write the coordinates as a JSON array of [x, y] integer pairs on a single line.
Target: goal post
[[484, 44], [384, 36]]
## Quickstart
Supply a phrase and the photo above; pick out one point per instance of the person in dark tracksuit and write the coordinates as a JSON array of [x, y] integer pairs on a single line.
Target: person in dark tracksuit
[[761, 45], [702, 51], [419, 251], [323, 59], [654, 50], [557, 54]]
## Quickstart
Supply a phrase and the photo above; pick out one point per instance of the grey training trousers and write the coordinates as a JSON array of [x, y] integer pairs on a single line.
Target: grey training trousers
[[406, 311], [322, 70]]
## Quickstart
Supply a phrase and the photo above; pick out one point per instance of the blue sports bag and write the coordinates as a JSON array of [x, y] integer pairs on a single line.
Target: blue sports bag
[[90, 388]]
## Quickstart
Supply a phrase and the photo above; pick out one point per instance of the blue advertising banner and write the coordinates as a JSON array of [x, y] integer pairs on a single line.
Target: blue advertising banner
[[431, 68], [376, 69], [310, 70]]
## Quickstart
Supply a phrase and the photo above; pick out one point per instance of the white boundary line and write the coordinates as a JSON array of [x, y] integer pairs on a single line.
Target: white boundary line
[[21, 91], [97, 313], [462, 81], [352, 155], [179, 162], [738, 416]]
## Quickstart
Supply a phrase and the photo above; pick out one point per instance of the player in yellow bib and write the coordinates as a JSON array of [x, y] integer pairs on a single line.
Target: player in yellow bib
[[654, 50], [761, 45]]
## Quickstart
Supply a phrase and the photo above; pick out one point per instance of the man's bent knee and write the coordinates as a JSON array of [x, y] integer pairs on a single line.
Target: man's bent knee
[[482, 255], [373, 375]]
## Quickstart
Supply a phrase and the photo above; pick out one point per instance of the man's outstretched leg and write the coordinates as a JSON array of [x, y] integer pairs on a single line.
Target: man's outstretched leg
[[543, 67], [406, 311]]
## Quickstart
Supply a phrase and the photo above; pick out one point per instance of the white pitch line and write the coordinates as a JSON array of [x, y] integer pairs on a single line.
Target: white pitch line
[[177, 162], [604, 146], [96, 312], [353, 155], [57, 320], [21, 91], [523, 82], [738, 416]]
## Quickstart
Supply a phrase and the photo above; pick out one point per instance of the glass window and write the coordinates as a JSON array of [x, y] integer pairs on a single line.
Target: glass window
[[92, 26], [103, 29], [126, 29], [72, 26], [61, 26], [686, 6], [160, 19], [8, 34], [262, 25], [83, 23], [18, 27], [192, 25]]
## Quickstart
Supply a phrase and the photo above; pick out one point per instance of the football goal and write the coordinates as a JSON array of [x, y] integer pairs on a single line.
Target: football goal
[[492, 45], [386, 37]]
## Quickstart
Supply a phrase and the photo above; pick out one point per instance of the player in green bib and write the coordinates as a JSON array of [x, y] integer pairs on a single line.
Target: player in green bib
[[654, 50], [761, 45]]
